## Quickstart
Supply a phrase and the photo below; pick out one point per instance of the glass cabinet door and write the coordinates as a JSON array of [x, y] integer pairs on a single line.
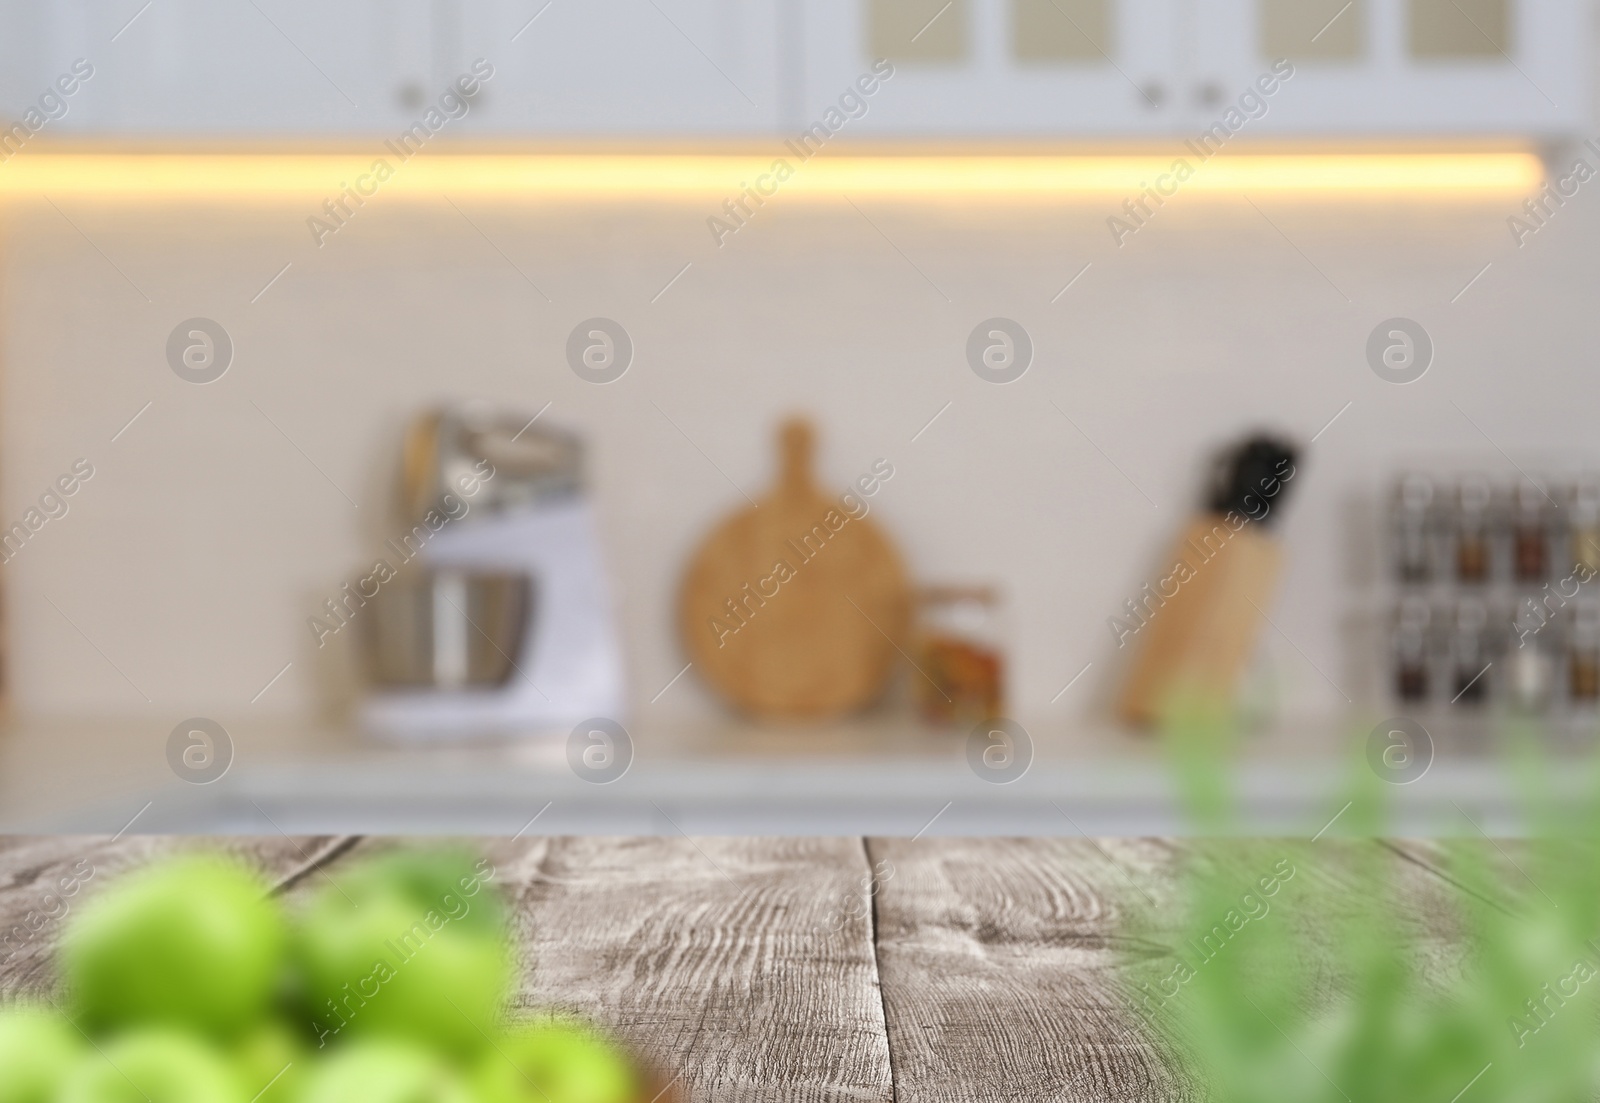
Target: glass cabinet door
[[1491, 67], [993, 67]]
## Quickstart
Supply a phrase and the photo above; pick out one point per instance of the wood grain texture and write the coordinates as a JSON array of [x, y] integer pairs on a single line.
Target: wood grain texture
[[795, 606], [1007, 964], [742, 966], [44, 880], [917, 971], [740, 969], [1002, 971], [1336, 882], [1199, 636]]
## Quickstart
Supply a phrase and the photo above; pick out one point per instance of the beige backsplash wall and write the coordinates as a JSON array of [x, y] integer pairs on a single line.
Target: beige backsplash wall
[[187, 566]]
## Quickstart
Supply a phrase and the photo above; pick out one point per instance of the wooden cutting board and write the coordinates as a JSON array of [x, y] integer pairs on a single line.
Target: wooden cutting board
[[795, 608]]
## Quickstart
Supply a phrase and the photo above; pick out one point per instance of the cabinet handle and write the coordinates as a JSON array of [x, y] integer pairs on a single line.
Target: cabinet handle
[[411, 95], [1152, 93], [1208, 93]]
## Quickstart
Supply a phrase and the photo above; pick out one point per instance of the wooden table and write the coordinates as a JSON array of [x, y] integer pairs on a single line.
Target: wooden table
[[758, 969]]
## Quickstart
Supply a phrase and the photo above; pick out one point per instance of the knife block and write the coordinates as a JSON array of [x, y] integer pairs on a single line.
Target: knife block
[[1195, 629]]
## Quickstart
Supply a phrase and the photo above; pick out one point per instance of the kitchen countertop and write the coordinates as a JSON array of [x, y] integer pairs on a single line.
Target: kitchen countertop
[[763, 969], [866, 777]]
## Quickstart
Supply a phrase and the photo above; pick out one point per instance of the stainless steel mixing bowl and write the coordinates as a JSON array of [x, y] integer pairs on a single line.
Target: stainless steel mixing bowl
[[447, 628]]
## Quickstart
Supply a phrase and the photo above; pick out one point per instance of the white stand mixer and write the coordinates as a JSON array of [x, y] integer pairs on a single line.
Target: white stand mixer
[[533, 519]]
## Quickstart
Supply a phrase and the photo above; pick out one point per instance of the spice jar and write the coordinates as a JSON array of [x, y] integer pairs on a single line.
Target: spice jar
[[1469, 653], [1530, 666], [1411, 650], [1529, 534], [1583, 654], [1583, 522], [961, 667], [1473, 499], [1414, 501]]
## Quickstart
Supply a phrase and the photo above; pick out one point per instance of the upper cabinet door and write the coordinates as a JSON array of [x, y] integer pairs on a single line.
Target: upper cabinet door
[[684, 70], [984, 68], [621, 68], [1488, 67], [615, 68], [197, 68]]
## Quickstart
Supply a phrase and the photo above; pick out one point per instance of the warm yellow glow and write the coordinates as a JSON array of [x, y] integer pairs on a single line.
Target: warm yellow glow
[[231, 176]]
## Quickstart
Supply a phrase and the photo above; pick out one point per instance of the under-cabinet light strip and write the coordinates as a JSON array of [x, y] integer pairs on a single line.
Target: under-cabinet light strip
[[231, 176]]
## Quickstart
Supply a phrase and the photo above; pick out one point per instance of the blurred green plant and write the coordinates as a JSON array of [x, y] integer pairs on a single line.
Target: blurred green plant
[[190, 981], [1339, 970]]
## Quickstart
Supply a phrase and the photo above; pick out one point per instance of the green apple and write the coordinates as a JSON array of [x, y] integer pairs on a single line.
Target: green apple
[[384, 1071], [195, 941], [37, 1048], [159, 1065], [557, 1061], [414, 945]]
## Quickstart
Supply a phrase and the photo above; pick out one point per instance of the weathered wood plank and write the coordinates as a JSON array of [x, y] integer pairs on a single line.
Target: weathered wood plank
[[777, 969], [743, 967], [44, 879], [1005, 964], [1001, 963], [1334, 873]]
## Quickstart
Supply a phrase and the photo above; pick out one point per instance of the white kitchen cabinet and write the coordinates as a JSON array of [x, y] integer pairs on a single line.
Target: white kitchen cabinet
[[1488, 67], [628, 68], [1481, 67], [293, 67], [198, 68], [981, 67], [696, 69]]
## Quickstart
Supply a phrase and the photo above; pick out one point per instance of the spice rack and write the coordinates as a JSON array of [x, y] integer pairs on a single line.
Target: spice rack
[[1493, 592]]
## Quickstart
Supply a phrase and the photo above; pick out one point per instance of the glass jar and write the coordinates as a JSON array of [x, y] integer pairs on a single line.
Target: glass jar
[[1474, 496], [1412, 529], [1530, 534], [1411, 681], [960, 676], [1530, 664], [1583, 654], [1583, 528], [1469, 653]]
